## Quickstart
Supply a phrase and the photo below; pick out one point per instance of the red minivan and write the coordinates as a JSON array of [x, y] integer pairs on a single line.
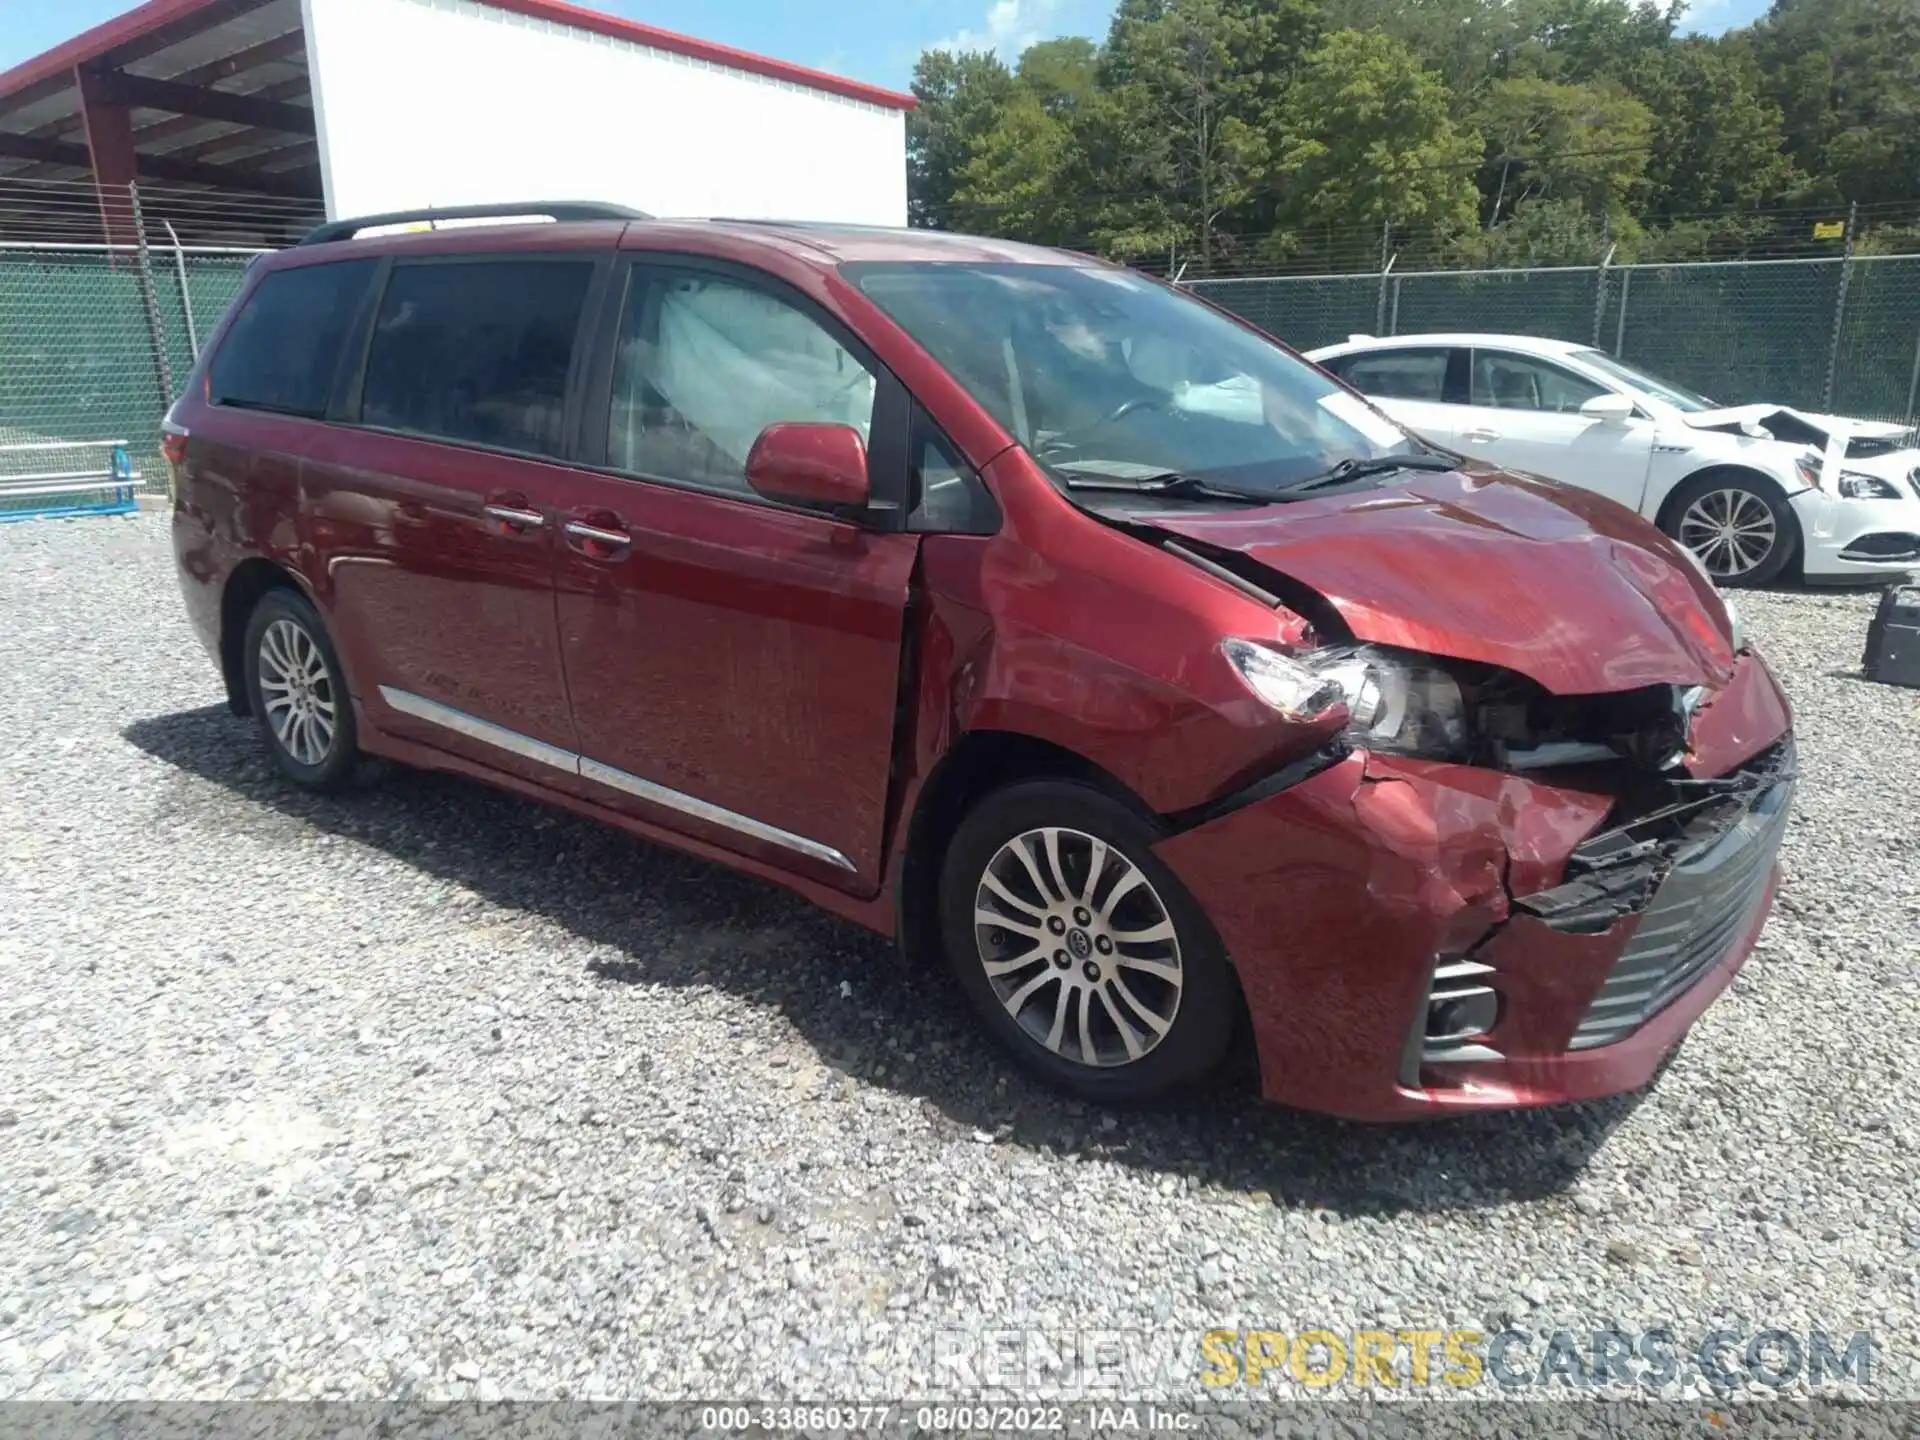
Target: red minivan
[[1007, 602]]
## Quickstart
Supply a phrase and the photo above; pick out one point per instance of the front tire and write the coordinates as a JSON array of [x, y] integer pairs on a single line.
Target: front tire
[[298, 693], [1742, 529], [1084, 955]]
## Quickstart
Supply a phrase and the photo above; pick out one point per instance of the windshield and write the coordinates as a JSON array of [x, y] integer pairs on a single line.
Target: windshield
[[1102, 374], [1677, 396]]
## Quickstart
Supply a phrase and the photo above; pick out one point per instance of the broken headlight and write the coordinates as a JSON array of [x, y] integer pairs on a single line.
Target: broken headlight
[[1736, 628], [1856, 485], [1396, 700]]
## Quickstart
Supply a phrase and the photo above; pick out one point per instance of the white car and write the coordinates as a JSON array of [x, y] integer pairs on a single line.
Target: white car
[[1746, 489]]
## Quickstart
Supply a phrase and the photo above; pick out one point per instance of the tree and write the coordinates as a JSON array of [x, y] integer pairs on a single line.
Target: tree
[[960, 98], [1582, 143], [1061, 74], [1575, 41], [1174, 132], [1469, 43], [1013, 184], [1717, 141], [1364, 137], [1539, 232], [1846, 74], [1231, 128]]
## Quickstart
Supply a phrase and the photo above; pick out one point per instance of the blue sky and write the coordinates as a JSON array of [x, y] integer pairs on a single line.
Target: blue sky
[[875, 43]]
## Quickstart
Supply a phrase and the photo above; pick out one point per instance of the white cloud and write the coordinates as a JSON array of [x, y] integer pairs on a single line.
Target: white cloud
[[1010, 27]]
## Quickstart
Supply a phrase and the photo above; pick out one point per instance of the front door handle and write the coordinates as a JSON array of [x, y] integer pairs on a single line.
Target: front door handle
[[514, 517], [1480, 437]]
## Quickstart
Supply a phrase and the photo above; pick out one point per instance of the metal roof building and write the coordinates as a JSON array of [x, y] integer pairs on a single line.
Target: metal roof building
[[364, 105]]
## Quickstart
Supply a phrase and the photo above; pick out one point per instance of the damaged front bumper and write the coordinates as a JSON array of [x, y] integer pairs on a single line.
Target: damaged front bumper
[[1416, 938], [1842, 537]]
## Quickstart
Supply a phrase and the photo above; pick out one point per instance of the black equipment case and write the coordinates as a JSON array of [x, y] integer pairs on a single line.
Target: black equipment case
[[1893, 638]]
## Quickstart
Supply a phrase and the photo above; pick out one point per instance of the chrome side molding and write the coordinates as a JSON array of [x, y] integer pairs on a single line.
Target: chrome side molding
[[541, 753]]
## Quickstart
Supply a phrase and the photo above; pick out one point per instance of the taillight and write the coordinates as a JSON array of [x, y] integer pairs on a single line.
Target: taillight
[[173, 449]]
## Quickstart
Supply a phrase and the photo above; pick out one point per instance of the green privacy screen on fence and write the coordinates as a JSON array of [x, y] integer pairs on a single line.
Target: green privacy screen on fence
[[86, 353], [1837, 335], [78, 352]]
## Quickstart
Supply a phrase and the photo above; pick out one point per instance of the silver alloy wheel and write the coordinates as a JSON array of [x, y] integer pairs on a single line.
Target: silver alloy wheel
[[1078, 946], [1732, 531], [297, 692]]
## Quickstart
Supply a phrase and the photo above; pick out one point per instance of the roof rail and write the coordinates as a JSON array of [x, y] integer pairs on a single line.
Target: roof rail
[[548, 209]]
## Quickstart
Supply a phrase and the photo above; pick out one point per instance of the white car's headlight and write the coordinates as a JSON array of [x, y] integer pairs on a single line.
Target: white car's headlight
[[1395, 701], [1855, 485]]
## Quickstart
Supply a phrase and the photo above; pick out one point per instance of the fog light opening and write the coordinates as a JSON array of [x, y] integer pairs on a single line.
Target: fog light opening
[[1455, 1019], [1462, 1007]]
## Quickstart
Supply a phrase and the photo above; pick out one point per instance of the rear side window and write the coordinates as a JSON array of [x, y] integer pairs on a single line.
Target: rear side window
[[1397, 374], [284, 347], [477, 351]]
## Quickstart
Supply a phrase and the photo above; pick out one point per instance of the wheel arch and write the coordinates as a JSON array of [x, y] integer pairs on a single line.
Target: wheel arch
[[250, 579], [980, 762]]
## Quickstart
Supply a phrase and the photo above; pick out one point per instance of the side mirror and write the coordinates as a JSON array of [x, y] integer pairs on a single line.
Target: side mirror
[[821, 466], [1609, 408]]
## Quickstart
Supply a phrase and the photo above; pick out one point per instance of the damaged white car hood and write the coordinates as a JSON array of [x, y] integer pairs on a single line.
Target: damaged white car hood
[[1781, 422]]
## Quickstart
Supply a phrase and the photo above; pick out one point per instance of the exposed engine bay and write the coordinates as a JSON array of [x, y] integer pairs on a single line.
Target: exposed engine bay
[[1521, 727]]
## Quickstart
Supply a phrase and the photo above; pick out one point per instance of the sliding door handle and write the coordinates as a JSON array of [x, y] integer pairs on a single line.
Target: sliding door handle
[[598, 535]]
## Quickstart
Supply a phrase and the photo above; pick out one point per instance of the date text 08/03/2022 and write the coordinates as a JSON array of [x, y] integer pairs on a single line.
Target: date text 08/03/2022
[[962, 1419]]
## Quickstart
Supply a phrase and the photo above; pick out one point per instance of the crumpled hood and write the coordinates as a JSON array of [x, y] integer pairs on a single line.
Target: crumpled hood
[[1569, 589], [1753, 420]]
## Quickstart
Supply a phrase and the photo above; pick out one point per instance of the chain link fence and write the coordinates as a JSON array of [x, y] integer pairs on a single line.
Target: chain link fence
[[96, 337], [105, 300], [95, 341], [1836, 335]]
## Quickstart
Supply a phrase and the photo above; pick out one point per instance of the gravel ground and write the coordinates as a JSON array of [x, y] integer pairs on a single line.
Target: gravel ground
[[428, 1091]]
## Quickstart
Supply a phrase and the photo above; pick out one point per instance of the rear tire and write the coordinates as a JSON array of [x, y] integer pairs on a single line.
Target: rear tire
[[1084, 955], [1740, 526], [298, 692]]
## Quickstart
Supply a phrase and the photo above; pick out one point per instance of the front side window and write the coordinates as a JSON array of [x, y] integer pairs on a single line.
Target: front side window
[[1397, 374], [1520, 382], [706, 363], [477, 352], [284, 346], [1678, 396], [1104, 373]]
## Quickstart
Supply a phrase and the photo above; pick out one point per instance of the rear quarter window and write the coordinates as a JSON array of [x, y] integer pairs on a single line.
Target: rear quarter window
[[283, 349]]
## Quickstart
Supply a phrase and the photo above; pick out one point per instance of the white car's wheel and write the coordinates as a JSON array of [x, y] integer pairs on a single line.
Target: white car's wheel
[[1739, 525]]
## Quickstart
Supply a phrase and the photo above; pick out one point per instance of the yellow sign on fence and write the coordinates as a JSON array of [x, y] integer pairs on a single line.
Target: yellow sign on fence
[[1829, 229]]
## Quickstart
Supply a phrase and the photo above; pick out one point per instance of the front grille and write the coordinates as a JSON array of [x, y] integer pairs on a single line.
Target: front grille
[[1705, 902]]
